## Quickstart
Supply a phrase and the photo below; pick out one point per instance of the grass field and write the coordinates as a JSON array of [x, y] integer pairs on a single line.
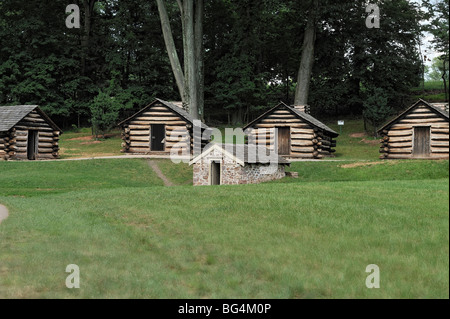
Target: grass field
[[306, 238], [434, 92], [310, 237], [430, 86], [82, 144]]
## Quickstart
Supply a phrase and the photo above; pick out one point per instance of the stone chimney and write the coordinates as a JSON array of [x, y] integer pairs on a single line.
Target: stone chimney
[[302, 108]]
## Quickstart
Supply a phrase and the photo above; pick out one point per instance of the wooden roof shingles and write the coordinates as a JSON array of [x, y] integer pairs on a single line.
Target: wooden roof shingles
[[12, 115]]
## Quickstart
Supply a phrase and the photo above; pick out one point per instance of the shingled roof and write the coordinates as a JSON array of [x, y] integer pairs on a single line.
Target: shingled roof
[[11, 115], [302, 115], [435, 108], [245, 154], [181, 112]]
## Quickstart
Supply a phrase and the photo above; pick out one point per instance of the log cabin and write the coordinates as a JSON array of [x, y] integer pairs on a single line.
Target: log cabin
[[420, 132], [158, 128], [27, 133], [231, 164], [293, 133]]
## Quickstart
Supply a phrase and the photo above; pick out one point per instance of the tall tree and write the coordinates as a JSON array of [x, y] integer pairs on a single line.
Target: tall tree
[[191, 82], [88, 6], [171, 48], [439, 28], [308, 57]]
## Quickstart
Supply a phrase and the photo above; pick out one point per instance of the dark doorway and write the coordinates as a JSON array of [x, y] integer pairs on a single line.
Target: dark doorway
[[158, 138], [32, 145], [422, 141], [284, 141], [215, 173]]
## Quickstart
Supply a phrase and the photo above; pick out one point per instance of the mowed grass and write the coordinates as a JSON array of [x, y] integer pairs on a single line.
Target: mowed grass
[[81, 144], [354, 143], [368, 171], [310, 238], [40, 178], [434, 92], [179, 174], [430, 86]]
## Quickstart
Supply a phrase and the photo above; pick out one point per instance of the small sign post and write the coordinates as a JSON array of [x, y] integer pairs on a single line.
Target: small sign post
[[341, 124]]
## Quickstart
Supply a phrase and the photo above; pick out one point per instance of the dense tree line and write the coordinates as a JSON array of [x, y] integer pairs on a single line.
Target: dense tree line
[[246, 59]]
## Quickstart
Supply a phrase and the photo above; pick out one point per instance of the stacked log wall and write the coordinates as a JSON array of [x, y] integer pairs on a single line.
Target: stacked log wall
[[48, 138], [137, 132], [4, 145], [398, 141], [306, 141]]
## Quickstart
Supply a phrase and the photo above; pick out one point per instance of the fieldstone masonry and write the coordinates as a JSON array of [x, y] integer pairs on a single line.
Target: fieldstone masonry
[[233, 173]]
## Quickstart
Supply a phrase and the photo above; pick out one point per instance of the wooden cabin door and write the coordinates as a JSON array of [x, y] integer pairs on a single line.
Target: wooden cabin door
[[158, 138], [284, 141], [422, 141], [215, 174], [32, 145]]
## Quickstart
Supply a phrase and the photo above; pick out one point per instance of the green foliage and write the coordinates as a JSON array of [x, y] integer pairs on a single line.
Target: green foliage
[[438, 14], [252, 56], [41, 60], [376, 108], [436, 71], [105, 109], [439, 28], [105, 113]]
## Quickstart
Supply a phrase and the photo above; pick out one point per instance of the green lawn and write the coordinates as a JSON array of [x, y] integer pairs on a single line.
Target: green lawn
[[81, 144], [368, 171], [354, 143], [310, 237], [43, 178], [430, 86], [434, 92], [431, 98]]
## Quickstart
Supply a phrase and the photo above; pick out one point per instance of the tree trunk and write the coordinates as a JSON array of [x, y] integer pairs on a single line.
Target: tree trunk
[[191, 82], [237, 117], [190, 65], [199, 57], [171, 49], [85, 42], [307, 61], [445, 80]]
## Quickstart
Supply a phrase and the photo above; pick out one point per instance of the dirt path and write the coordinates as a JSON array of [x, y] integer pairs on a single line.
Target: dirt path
[[154, 166], [3, 213]]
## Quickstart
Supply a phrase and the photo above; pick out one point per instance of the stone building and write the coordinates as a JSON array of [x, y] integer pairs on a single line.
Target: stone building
[[237, 165]]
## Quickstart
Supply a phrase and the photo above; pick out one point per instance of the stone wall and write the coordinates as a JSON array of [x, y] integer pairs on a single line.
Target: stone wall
[[259, 173], [233, 173]]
